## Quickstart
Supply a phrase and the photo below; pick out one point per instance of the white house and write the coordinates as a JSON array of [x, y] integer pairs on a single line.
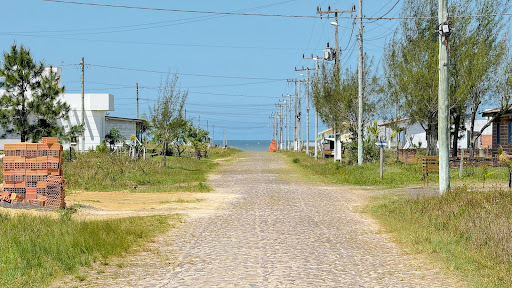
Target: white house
[[97, 122], [413, 135]]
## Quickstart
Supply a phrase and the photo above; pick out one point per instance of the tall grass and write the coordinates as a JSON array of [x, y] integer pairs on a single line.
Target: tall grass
[[396, 174], [34, 250], [469, 231], [93, 171]]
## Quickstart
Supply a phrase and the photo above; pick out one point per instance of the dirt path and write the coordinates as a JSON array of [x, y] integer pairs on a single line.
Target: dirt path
[[276, 232]]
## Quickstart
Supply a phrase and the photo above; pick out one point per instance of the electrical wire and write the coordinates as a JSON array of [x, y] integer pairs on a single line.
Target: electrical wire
[[196, 19], [182, 10], [186, 74]]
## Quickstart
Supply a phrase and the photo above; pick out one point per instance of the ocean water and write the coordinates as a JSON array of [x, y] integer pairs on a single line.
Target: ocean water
[[247, 145]]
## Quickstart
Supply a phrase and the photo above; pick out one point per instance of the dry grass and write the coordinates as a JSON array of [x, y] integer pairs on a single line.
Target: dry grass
[[469, 231]]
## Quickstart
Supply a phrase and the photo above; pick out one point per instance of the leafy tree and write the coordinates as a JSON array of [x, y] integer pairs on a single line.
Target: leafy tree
[[410, 65], [477, 48], [334, 96], [30, 106], [198, 138], [170, 105], [114, 137], [179, 134]]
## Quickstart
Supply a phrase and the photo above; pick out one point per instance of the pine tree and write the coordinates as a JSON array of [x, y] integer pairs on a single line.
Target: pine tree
[[30, 106]]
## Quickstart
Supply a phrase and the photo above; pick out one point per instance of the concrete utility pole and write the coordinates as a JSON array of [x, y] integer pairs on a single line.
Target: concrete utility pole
[[299, 121], [336, 26], [288, 120], [307, 104], [83, 104], [443, 101], [295, 143], [317, 68], [361, 89], [137, 86]]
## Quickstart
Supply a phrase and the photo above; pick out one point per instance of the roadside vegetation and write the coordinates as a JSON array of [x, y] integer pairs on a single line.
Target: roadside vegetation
[[34, 249], [98, 171], [469, 231], [396, 174]]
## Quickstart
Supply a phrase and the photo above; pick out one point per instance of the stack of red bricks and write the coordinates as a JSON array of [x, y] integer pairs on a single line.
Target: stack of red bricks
[[33, 173]]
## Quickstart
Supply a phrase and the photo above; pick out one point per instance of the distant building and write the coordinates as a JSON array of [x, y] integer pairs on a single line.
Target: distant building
[[501, 130], [413, 135], [97, 122]]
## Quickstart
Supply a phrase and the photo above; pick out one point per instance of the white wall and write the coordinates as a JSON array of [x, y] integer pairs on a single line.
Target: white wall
[[127, 128]]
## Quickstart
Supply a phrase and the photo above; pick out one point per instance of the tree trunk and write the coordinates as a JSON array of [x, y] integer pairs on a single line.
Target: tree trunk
[[431, 143], [471, 134], [165, 154], [456, 120]]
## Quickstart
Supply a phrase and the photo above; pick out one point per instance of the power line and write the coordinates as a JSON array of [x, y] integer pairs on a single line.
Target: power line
[[187, 74], [270, 15], [195, 19], [182, 10]]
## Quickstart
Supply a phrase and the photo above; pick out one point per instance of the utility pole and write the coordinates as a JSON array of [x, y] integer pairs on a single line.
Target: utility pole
[[307, 107], [295, 143], [317, 68], [137, 85], [361, 89], [336, 25], [83, 104], [443, 101]]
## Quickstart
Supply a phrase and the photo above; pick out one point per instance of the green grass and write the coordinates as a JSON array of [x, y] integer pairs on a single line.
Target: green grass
[[396, 174], [94, 171], [35, 250], [468, 231]]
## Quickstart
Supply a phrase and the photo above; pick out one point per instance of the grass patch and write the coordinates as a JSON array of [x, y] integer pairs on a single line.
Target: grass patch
[[396, 174], [94, 171], [34, 250], [468, 231]]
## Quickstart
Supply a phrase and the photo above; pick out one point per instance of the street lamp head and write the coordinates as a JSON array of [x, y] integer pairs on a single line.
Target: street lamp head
[[335, 24]]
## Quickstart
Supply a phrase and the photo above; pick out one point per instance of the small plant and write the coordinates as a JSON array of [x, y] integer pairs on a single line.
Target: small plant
[[485, 174], [506, 160], [295, 160]]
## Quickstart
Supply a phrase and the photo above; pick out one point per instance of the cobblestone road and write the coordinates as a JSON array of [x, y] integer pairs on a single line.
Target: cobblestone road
[[278, 232]]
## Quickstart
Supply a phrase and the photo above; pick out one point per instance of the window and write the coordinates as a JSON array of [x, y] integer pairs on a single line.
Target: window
[[497, 132]]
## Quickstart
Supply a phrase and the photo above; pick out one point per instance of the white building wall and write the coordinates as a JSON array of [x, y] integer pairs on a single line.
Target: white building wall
[[127, 128]]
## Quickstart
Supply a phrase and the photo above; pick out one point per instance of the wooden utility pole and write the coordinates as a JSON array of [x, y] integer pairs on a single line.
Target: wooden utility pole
[[361, 89], [443, 101], [83, 105], [137, 86]]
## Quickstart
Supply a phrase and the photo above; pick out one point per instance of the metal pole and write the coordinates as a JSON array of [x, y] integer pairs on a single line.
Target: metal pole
[[381, 162], [137, 85], [361, 85], [443, 110], [307, 112], [83, 104]]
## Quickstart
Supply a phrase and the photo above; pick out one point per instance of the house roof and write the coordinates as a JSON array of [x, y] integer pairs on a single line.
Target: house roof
[[325, 131], [394, 121], [491, 112], [108, 117]]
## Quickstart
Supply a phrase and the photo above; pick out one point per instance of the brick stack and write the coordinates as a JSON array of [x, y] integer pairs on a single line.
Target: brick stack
[[33, 173]]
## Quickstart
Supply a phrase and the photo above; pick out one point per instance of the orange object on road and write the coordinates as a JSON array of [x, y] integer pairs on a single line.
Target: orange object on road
[[273, 146]]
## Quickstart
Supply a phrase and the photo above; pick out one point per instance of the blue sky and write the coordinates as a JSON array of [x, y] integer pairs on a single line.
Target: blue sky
[[260, 51]]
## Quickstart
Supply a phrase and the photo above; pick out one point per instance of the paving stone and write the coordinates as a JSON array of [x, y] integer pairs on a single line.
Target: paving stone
[[279, 232]]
